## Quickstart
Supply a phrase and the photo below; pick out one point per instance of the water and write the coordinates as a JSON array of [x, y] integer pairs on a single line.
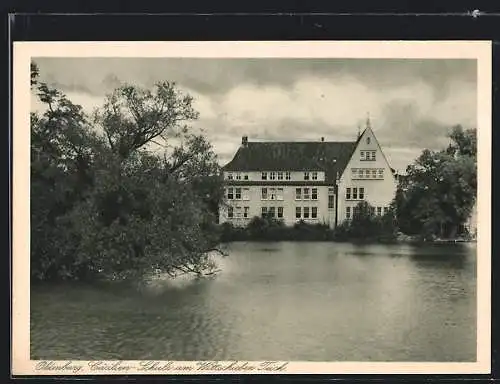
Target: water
[[276, 301]]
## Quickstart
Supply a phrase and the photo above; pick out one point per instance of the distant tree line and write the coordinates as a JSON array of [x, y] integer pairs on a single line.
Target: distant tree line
[[104, 203]]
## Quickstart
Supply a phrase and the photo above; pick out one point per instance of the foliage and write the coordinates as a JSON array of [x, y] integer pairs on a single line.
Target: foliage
[[439, 191], [105, 202]]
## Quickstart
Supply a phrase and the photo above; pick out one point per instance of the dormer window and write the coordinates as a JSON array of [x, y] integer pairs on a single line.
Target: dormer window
[[230, 176], [306, 175], [280, 175], [288, 176], [272, 176], [238, 176], [315, 175], [264, 175]]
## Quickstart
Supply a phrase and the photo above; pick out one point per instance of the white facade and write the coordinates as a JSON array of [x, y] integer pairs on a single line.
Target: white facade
[[367, 177], [292, 195]]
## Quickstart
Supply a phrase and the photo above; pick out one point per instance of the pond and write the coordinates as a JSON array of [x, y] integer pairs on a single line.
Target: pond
[[293, 301]]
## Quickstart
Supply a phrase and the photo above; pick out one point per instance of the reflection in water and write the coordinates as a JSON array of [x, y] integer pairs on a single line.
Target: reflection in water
[[279, 301]]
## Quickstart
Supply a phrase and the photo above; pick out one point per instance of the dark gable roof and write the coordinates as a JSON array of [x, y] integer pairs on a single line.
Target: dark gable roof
[[328, 156]]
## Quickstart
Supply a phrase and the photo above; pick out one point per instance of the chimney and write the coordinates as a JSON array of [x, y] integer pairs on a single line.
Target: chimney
[[322, 139], [244, 140]]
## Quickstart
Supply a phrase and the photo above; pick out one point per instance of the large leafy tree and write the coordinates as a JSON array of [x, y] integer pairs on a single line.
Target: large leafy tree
[[127, 191], [439, 191]]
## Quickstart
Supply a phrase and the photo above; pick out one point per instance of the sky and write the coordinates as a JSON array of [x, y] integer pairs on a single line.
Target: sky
[[412, 103]]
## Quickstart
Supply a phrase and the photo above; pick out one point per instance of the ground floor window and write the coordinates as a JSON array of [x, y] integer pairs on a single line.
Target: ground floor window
[[280, 212], [230, 212]]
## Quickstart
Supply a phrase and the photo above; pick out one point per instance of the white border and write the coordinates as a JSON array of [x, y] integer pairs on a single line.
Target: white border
[[23, 51]]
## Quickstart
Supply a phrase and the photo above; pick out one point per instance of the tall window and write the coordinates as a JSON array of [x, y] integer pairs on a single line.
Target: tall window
[[272, 193], [348, 193], [230, 195], [361, 193], [314, 193], [246, 193], [298, 193], [280, 175], [298, 212], [238, 193], [230, 212], [272, 211], [306, 212], [238, 212], [264, 175], [355, 193], [306, 175], [280, 212], [306, 193], [264, 194], [279, 194], [245, 211], [315, 176], [288, 176], [272, 176], [348, 213], [264, 211], [331, 201], [314, 212]]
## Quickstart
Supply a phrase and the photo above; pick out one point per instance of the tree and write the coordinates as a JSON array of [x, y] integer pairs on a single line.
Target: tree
[[105, 202], [439, 191]]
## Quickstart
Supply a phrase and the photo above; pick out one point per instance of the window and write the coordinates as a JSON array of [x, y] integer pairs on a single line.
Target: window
[[368, 140], [331, 201], [348, 213], [245, 211], [280, 212], [238, 212], [361, 193], [279, 194], [314, 194], [230, 176], [230, 195], [361, 173], [264, 194], [331, 191], [230, 212], [373, 156], [264, 175], [272, 211], [237, 193], [306, 175], [355, 193], [264, 211], [314, 212], [238, 176], [246, 193], [386, 210], [298, 193], [362, 155], [272, 176], [306, 193], [380, 173], [272, 193], [374, 173], [280, 175], [315, 175], [297, 212], [288, 176], [348, 193], [379, 211], [245, 177], [355, 211], [306, 212]]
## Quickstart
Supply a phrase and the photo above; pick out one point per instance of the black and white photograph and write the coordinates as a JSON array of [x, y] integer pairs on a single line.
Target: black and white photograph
[[253, 212]]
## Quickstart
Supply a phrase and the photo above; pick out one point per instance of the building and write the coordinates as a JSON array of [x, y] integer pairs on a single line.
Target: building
[[317, 182]]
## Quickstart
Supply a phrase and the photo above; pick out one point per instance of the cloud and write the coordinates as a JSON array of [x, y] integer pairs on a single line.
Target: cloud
[[412, 103]]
